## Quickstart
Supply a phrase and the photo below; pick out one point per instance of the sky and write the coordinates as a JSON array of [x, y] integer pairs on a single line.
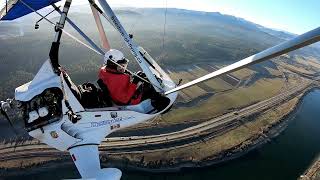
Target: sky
[[296, 16]]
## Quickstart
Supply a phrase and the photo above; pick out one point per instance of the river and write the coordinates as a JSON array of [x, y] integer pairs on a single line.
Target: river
[[286, 157]]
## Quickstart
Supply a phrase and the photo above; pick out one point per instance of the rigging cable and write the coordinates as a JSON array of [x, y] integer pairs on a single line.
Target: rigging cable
[[79, 31], [79, 41], [92, 3], [164, 31], [67, 33], [164, 25], [136, 21], [107, 18]]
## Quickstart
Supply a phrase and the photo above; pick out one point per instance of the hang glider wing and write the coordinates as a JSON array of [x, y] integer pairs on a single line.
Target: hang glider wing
[[285, 47], [16, 8]]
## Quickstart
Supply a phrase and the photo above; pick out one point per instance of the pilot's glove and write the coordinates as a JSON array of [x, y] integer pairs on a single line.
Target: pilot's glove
[[135, 80], [141, 74], [137, 77]]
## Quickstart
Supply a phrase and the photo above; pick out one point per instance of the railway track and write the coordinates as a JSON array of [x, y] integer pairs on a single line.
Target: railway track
[[137, 144]]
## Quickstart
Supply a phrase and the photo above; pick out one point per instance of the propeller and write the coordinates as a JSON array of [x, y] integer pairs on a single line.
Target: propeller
[[285, 47]]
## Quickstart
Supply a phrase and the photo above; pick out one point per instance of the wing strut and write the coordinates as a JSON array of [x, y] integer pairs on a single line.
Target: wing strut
[[285, 47], [54, 51], [129, 42], [6, 6], [95, 47], [104, 41]]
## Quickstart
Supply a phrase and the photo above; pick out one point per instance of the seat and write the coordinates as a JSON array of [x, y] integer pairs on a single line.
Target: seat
[[91, 97], [105, 95]]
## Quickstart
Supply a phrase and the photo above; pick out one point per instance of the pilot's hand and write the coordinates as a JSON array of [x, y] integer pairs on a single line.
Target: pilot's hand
[[141, 74], [135, 80]]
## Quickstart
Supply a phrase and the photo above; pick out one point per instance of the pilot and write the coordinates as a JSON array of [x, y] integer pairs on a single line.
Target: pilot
[[124, 88]]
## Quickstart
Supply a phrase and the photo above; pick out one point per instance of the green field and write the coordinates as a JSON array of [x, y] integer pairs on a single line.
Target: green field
[[222, 102]]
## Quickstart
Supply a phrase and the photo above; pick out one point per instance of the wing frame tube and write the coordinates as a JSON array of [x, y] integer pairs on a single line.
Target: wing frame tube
[[75, 27], [14, 9], [131, 45], [54, 51], [285, 47], [6, 6], [103, 38]]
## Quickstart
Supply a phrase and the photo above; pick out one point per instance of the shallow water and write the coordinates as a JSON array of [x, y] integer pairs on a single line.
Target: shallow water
[[286, 157]]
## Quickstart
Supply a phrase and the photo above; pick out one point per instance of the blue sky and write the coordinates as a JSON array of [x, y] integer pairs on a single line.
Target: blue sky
[[297, 16]]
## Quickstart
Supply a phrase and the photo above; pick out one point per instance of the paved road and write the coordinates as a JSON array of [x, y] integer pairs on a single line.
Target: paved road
[[211, 128], [205, 127]]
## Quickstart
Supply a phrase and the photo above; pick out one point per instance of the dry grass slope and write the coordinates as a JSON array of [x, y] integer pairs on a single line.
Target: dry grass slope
[[222, 102]]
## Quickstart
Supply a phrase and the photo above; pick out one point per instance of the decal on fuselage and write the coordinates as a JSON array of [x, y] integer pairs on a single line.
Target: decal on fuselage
[[115, 126], [110, 121]]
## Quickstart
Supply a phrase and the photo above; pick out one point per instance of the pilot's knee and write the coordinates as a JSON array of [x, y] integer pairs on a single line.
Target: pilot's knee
[[160, 102]]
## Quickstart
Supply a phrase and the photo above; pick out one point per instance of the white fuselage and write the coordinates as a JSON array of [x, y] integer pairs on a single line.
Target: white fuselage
[[82, 138], [94, 125]]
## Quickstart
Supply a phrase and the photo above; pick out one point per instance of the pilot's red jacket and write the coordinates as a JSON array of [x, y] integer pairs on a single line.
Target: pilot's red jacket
[[121, 89]]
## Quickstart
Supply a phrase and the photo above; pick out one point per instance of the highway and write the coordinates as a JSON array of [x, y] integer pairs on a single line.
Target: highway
[[137, 144], [205, 127]]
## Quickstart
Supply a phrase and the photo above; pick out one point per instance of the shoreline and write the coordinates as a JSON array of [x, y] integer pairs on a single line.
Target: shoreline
[[233, 153], [313, 171], [274, 132]]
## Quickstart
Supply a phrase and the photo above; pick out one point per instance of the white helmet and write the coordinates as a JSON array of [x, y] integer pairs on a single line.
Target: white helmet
[[114, 55]]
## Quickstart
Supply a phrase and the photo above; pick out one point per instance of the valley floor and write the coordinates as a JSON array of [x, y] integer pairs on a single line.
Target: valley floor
[[204, 145], [234, 114]]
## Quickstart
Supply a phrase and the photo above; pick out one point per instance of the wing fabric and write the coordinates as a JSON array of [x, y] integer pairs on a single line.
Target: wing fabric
[[285, 47], [16, 9]]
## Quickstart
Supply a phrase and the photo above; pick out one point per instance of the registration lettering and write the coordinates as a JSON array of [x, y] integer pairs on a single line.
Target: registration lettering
[[110, 122]]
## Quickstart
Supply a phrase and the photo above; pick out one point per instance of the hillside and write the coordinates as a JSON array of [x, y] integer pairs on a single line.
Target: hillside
[[191, 38]]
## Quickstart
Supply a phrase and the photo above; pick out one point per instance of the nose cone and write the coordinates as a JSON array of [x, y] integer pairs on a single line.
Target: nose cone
[[109, 174]]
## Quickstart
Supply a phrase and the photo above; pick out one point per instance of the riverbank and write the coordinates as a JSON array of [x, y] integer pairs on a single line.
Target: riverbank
[[262, 128], [244, 145], [313, 172]]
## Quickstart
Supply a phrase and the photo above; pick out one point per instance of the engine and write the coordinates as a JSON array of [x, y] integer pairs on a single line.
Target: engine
[[43, 109]]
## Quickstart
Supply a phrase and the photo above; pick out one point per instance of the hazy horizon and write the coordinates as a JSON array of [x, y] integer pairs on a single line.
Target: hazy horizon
[[291, 16]]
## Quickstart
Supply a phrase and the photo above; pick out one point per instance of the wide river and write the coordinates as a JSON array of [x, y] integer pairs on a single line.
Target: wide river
[[286, 157]]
